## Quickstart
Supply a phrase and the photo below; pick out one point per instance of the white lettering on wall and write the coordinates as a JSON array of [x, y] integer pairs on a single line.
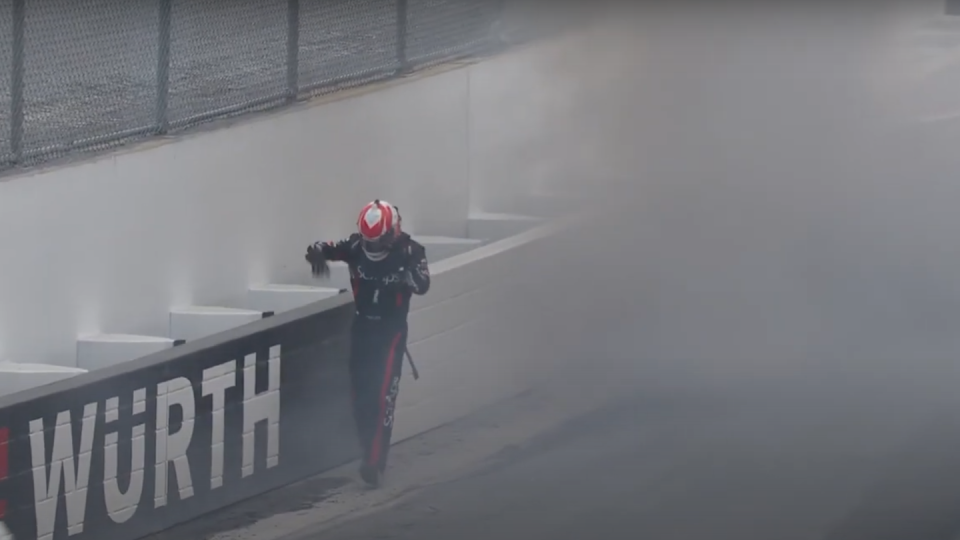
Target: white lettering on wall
[[260, 407], [46, 490], [122, 505], [172, 447], [70, 467], [5, 533], [216, 380]]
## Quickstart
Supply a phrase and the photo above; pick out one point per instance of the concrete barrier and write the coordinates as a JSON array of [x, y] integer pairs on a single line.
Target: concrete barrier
[[459, 296], [199, 219], [236, 435]]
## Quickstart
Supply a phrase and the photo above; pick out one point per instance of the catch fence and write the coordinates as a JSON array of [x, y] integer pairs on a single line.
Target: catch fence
[[89, 74]]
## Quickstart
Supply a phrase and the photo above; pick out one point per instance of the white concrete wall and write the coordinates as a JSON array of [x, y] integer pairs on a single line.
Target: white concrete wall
[[475, 336], [109, 246]]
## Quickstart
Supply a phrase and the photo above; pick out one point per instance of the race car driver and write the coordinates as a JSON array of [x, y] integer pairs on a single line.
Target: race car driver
[[386, 268]]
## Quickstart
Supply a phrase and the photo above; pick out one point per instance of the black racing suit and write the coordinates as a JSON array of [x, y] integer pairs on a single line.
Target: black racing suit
[[382, 290]]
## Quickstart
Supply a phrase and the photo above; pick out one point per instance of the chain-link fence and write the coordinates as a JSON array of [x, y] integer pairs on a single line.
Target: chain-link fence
[[89, 74]]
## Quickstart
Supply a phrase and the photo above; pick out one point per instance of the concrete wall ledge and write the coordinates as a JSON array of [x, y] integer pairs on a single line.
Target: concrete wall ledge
[[98, 351], [194, 322], [278, 298], [15, 376]]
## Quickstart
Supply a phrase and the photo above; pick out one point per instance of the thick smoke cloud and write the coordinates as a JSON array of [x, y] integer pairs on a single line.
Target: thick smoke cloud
[[768, 292], [774, 210], [769, 289]]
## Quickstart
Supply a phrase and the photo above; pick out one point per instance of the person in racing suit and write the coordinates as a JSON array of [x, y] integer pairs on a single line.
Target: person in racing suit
[[386, 268]]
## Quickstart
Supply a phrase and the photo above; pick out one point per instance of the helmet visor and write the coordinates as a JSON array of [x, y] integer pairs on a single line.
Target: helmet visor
[[378, 245], [375, 246]]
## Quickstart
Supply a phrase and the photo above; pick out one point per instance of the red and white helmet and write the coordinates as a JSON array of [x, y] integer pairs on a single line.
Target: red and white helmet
[[379, 225]]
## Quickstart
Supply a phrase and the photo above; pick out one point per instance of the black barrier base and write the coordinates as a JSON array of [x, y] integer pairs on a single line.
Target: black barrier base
[[134, 450]]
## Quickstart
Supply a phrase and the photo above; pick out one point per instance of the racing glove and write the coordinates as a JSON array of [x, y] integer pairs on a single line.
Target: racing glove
[[408, 280], [417, 271], [318, 260]]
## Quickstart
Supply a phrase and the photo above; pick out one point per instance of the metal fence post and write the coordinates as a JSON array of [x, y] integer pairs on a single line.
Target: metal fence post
[[16, 80], [163, 65], [402, 12], [293, 50]]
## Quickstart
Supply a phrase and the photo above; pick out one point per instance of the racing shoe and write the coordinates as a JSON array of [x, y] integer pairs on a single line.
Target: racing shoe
[[371, 474]]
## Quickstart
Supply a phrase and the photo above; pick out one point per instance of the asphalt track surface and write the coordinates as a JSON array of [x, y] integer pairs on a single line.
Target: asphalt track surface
[[737, 463]]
